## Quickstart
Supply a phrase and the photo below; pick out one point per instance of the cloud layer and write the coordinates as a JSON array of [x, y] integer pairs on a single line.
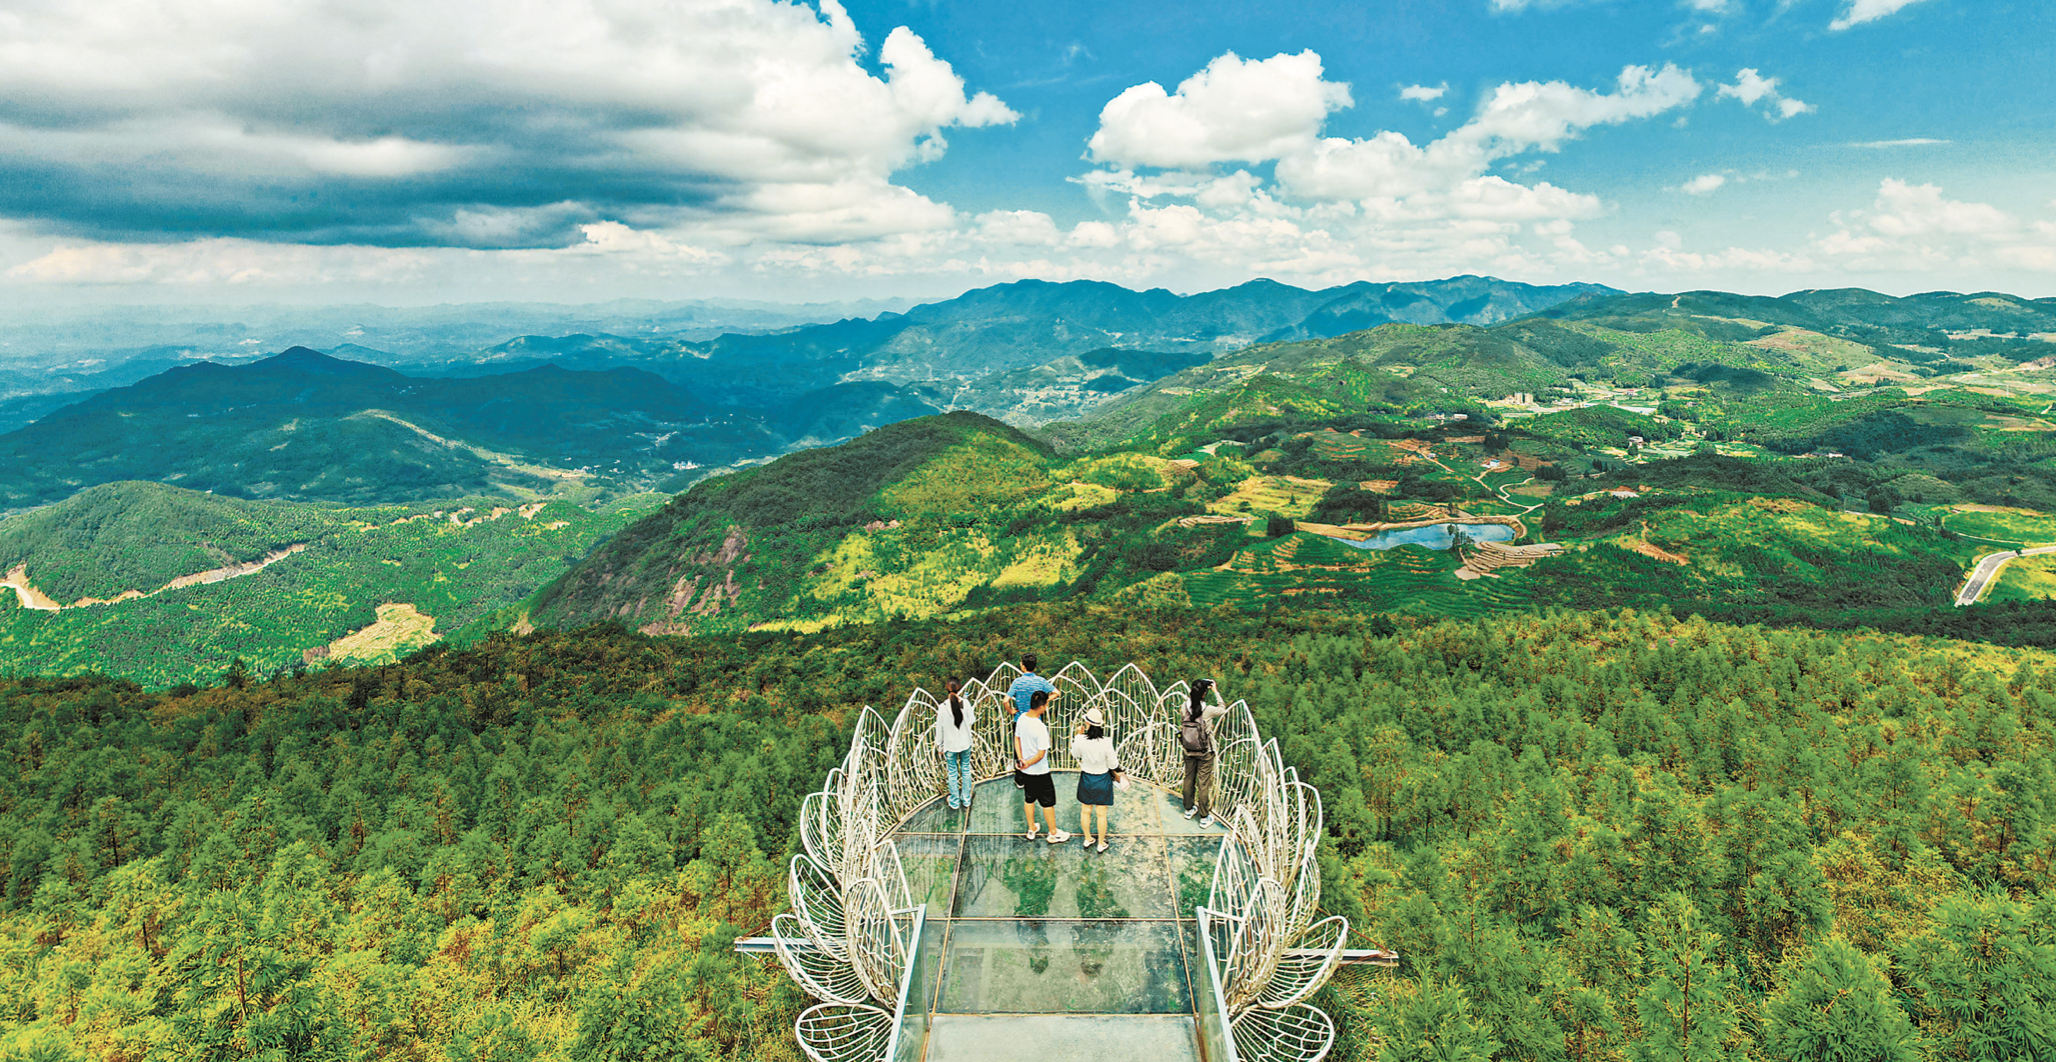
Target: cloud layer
[[468, 123]]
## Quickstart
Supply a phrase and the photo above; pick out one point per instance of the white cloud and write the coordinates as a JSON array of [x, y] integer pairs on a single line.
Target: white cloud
[[217, 263], [452, 120], [1750, 87], [1234, 110], [1668, 256], [1030, 228], [1705, 184], [1920, 210], [1912, 141], [1385, 201], [1861, 11], [1422, 92], [1516, 118], [1916, 228]]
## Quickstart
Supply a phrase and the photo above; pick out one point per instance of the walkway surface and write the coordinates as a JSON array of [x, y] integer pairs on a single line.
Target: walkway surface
[[1988, 569], [1034, 951]]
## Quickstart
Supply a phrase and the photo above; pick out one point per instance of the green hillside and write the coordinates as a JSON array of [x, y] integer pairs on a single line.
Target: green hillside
[[308, 427], [949, 515], [117, 537], [1764, 472], [342, 583], [1568, 827]]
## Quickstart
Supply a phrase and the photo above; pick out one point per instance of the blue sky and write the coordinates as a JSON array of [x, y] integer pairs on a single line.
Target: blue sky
[[338, 150]]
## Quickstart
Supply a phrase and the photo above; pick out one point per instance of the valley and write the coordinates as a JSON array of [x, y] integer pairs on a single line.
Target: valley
[[1830, 458]]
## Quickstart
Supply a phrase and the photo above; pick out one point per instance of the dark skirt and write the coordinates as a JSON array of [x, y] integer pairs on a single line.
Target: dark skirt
[[1096, 790]]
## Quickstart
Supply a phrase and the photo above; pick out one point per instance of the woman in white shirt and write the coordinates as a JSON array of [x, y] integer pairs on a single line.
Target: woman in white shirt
[[1093, 748], [954, 719]]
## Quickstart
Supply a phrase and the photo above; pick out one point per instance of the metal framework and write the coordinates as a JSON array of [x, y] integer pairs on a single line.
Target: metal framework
[[848, 939]]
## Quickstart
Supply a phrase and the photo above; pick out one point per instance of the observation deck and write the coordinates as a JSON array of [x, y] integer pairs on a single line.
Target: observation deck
[[933, 935]]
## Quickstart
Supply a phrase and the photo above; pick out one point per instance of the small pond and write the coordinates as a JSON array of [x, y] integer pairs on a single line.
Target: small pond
[[1433, 536]]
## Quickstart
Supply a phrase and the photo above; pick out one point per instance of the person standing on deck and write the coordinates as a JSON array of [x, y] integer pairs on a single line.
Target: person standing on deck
[[1025, 686], [1098, 769], [953, 722], [1031, 766], [1196, 739]]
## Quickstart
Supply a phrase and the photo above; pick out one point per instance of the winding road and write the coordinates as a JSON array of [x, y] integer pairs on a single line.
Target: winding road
[[1988, 569]]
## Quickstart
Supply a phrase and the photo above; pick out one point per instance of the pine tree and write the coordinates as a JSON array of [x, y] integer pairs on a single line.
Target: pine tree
[[1837, 1007], [1683, 1007]]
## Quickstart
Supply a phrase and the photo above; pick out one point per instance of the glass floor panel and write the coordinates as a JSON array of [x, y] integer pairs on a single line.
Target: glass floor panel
[[1192, 868], [1040, 951], [1042, 1037], [1009, 877], [1051, 967], [936, 817], [930, 863]]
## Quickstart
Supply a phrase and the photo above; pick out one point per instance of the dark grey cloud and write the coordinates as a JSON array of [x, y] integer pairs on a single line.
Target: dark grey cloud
[[466, 124]]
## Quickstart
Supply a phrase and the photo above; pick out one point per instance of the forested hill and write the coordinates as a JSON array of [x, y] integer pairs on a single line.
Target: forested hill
[[737, 548], [986, 333], [1590, 836], [306, 426], [1733, 353]]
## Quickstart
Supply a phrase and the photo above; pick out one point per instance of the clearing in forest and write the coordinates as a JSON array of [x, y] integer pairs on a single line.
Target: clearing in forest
[[399, 630], [2002, 524], [1285, 495]]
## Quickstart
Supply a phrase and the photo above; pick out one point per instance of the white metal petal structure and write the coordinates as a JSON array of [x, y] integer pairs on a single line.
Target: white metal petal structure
[[1299, 1033], [844, 1032], [821, 974], [851, 937]]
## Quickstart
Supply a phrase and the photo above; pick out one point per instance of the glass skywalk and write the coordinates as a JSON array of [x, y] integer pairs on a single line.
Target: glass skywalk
[[933, 934]]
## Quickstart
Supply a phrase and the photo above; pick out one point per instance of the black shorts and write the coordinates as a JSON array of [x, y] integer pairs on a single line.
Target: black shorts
[[1039, 789]]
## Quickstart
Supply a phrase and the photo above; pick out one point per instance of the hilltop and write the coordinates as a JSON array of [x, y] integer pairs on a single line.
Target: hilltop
[[1031, 350], [763, 543], [306, 426]]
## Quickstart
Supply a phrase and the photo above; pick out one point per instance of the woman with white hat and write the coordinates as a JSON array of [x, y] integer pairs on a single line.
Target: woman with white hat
[[1093, 748]]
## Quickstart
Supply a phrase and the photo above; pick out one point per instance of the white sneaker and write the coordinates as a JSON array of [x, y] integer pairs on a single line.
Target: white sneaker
[[1102, 846], [1189, 812], [1059, 837], [1207, 823], [1031, 835]]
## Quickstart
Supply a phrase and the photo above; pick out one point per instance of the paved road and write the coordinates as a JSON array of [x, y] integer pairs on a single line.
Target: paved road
[[1988, 569]]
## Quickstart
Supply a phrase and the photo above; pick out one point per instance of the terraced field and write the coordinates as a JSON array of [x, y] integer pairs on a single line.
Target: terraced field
[[1403, 579]]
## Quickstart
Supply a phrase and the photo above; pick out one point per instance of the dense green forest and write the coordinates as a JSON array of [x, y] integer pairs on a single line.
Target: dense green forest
[[1590, 836]]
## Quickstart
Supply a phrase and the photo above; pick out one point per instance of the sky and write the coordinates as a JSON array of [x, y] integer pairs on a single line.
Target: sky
[[421, 151]]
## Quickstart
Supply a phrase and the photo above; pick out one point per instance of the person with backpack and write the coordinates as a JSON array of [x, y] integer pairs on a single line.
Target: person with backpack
[[1196, 740], [1098, 769], [1031, 767], [954, 719], [1026, 686]]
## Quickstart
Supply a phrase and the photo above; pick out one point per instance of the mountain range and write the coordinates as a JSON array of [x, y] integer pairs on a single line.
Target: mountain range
[[537, 415], [1760, 448]]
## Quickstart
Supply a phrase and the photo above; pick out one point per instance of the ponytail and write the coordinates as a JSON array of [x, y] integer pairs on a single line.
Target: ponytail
[[956, 702]]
